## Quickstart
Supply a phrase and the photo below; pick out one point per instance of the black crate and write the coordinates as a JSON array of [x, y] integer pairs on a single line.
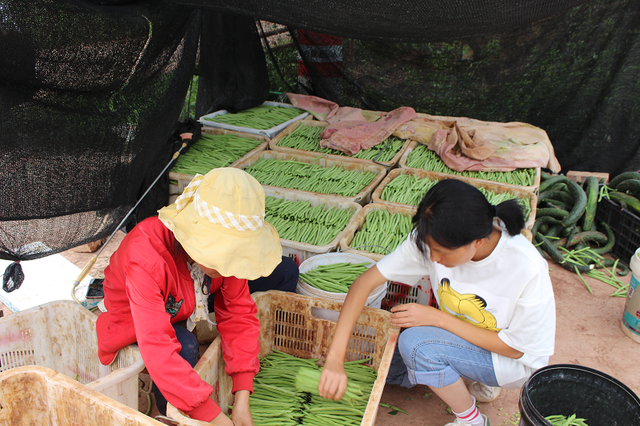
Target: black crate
[[625, 226]]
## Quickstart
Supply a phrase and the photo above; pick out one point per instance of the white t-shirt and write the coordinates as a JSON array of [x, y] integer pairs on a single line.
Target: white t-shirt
[[509, 291]]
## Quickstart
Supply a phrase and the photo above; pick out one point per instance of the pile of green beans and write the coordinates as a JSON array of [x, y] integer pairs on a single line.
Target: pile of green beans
[[213, 151], [299, 221], [410, 189], [307, 138], [382, 232], [560, 420], [262, 117], [276, 400], [423, 158], [310, 177], [335, 277]]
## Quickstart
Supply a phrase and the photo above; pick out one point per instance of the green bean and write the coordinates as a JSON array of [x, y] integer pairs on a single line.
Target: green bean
[[382, 232], [410, 189], [560, 420], [423, 158], [213, 151], [335, 278], [277, 401], [262, 117], [310, 177], [299, 221]]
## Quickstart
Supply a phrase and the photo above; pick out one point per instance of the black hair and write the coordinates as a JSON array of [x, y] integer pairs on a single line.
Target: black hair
[[454, 214]]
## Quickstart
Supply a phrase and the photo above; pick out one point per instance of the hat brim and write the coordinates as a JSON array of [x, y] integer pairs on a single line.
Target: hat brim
[[232, 253]]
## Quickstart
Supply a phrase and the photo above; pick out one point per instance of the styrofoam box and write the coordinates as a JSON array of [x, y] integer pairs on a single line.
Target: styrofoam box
[[498, 188], [61, 335], [352, 164], [184, 179], [268, 133], [274, 144], [36, 395], [405, 155], [301, 251], [288, 323]]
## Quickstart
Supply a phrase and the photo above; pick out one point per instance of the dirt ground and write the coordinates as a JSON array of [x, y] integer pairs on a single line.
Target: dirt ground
[[588, 333]]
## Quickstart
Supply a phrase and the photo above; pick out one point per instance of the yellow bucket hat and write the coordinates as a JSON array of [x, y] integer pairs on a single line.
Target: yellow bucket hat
[[219, 220]]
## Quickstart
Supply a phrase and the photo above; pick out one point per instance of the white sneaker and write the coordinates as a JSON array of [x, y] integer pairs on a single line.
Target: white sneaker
[[458, 422], [484, 393]]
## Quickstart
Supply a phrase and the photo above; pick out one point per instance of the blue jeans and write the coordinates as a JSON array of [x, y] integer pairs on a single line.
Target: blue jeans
[[435, 357]]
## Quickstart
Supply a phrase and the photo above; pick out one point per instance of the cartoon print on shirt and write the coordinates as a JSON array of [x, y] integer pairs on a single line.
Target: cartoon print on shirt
[[467, 307], [171, 306]]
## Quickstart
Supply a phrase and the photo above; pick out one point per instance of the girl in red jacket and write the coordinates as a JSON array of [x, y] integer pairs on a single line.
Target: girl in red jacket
[[156, 280]]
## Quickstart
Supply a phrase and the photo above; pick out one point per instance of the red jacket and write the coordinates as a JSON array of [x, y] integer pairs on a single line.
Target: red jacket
[[148, 288]]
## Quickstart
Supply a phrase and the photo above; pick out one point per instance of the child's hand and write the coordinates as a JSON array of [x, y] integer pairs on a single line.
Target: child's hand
[[333, 381], [241, 414], [414, 315]]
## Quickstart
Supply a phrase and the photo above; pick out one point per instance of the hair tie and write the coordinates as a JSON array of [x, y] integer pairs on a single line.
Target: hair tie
[[495, 211]]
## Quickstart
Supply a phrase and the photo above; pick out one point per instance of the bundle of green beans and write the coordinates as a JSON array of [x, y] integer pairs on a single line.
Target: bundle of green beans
[[307, 138], [410, 189], [382, 232], [423, 158], [299, 221], [560, 420], [277, 400], [310, 177], [335, 277], [262, 117], [213, 151]]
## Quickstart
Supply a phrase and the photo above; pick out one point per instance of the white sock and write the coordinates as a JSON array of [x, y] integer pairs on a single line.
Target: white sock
[[472, 415]]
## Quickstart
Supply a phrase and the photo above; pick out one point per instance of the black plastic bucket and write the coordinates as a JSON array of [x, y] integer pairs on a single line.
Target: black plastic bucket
[[573, 389]]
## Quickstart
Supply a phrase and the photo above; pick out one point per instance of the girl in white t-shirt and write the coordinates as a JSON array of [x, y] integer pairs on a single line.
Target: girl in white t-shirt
[[496, 319]]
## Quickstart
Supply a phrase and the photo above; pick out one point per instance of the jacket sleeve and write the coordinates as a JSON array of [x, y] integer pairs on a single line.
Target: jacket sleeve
[[160, 349], [239, 330]]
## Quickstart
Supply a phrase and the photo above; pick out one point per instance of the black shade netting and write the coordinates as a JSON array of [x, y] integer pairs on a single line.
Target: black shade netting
[[575, 74], [89, 94], [232, 70], [406, 20]]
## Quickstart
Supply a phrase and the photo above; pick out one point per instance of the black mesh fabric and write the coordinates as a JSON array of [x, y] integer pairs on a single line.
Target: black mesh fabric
[[89, 95], [406, 20], [90, 91], [575, 74]]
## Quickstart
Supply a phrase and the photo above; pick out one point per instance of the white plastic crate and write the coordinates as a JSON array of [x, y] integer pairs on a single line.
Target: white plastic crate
[[301, 251], [35, 395], [61, 335], [270, 133]]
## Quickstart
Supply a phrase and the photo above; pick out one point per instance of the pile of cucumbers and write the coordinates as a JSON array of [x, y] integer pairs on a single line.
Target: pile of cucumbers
[[565, 228]]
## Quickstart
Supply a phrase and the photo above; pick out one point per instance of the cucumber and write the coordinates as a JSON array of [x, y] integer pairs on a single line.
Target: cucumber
[[580, 205], [630, 186], [621, 178], [549, 211], [544, 220], [554, 204], [554, 231], [562, 196], [611, 239], [555, 254], [633, 204], [544, 186], [591, 189], [586, 236]]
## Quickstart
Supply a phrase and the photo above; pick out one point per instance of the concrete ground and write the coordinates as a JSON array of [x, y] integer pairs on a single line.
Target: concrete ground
[[588, 333]]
